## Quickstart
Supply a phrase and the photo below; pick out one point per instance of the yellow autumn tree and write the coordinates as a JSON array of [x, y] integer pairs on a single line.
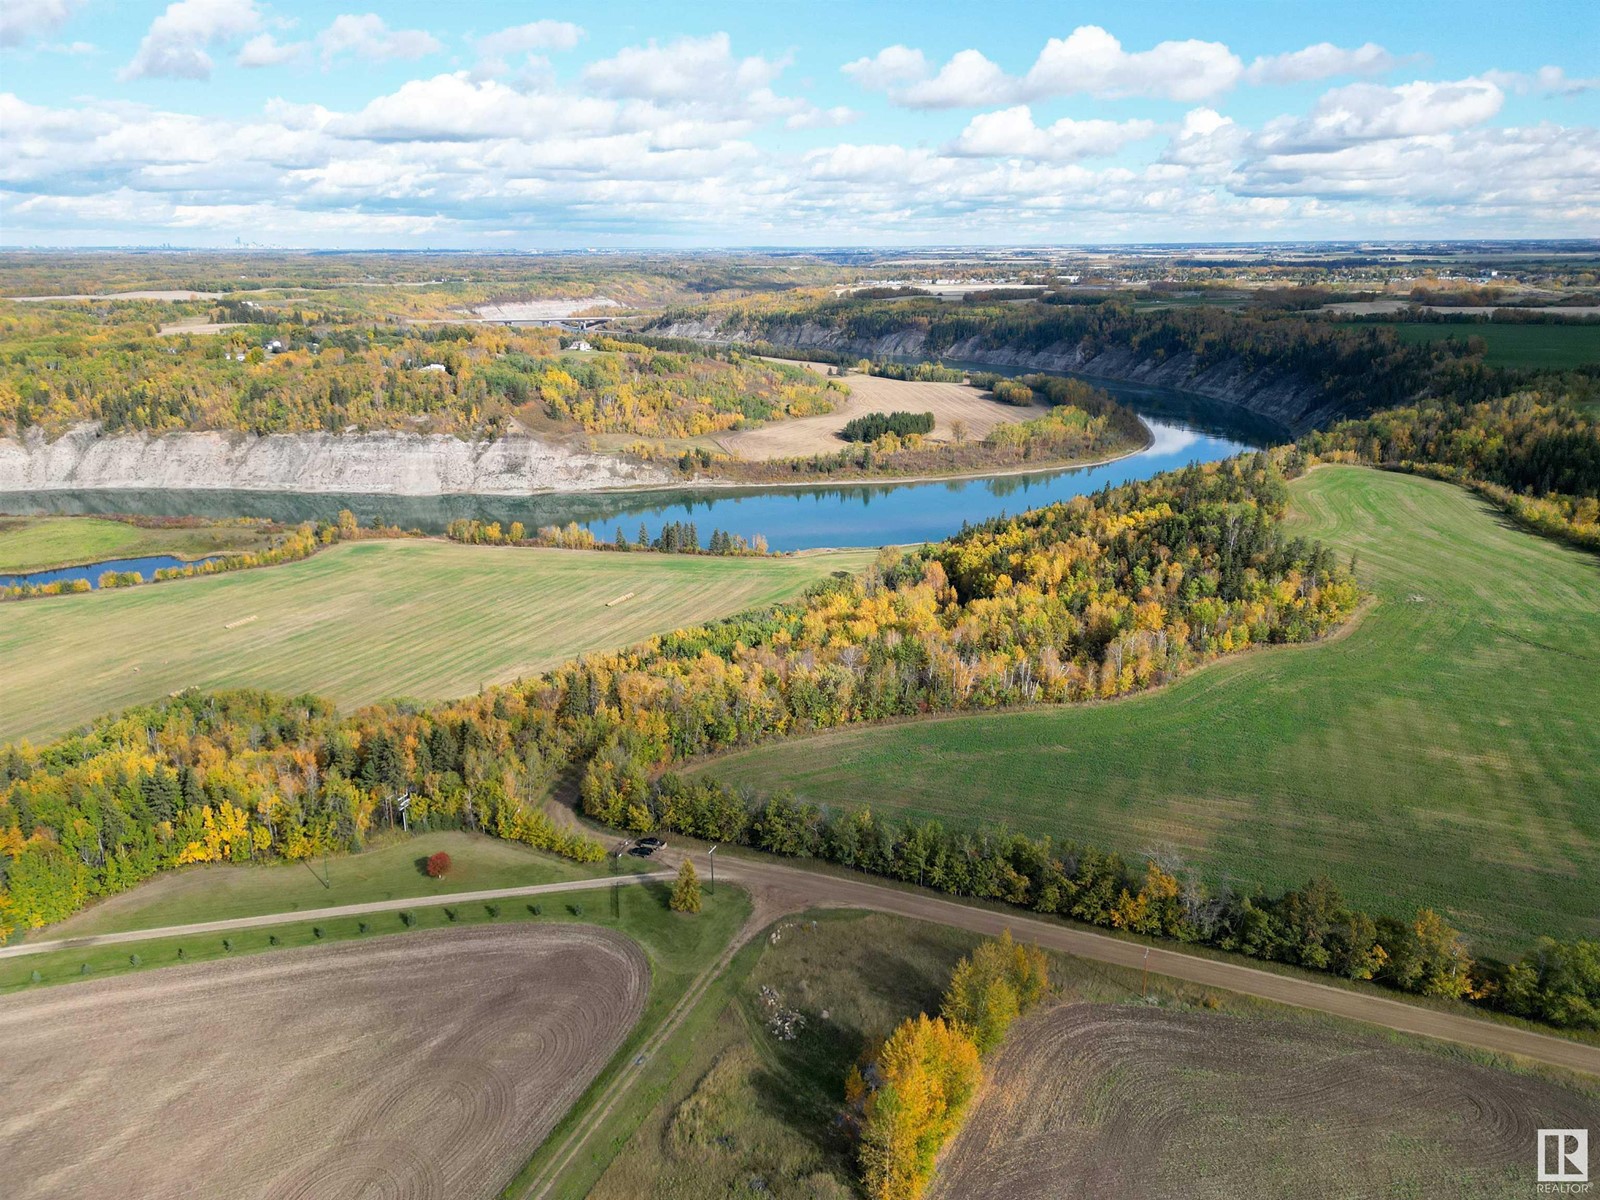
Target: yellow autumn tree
[[991, 987], [930, 1072]]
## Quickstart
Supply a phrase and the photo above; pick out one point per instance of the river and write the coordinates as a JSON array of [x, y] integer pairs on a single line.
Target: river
[[1185, 429]]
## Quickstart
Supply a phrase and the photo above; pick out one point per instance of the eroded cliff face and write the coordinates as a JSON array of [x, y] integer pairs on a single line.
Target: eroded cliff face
[[404, 464], [1293, 402]]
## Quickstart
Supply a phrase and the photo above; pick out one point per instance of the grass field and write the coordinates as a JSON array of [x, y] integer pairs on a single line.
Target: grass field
[[752, 1114], [1441, 753], [1550, 346], [41, 543], [216, 892], [365, 621]]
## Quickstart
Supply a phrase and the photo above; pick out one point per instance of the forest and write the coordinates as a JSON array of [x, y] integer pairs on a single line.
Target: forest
[[1359, 368], [1091, 599], [292, 369], [1088, 599]]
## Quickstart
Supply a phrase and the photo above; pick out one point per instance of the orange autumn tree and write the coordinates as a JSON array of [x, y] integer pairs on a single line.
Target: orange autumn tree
[[930, 1073]]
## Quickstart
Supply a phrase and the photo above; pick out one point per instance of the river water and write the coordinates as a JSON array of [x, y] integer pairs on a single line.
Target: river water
[[1186, 429], [146, 568]]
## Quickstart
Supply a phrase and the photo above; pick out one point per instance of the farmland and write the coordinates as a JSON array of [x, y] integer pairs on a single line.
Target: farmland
[[1552, 347], [38, 544], [1100, 1100], [458, 1071], [1438, 753], [364, 621], [750, 1106]]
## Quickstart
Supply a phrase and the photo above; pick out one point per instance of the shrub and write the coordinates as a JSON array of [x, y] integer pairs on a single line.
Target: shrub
[[438, 865]]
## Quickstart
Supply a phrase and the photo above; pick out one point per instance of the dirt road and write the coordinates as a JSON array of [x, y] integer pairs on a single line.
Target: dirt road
[[811, 889], [780, 889]]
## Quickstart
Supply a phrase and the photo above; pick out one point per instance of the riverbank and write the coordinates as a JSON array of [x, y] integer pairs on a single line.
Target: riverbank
[[1298, 404]]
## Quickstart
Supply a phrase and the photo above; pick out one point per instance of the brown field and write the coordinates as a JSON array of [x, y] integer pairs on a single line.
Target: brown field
[[420, 1065], [947, 402], [1120, 1100]]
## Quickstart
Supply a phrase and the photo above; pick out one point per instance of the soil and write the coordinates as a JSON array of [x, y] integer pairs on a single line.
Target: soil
[[1126, 1100], [415, 1066]]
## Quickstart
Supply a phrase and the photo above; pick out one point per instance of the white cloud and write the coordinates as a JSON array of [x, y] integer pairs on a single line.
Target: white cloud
[[685, 140], [264, 50], [1322, 61], [687, 69], [968, 80], [1370, 111], [1088, 61], [1206, 140], [1012, 132], [175, 46], [1547, 81], [24, 19], [891, 67], [822, 118], [523, 39], [368, 37]]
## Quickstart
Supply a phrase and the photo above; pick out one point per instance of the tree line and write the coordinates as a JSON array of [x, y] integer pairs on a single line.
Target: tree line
[[872, 426], [1359, 368], [676, 537]]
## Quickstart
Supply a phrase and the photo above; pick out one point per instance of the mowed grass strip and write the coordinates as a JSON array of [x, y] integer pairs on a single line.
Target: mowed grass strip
[[392, 869], [365, 621], [43, 543], [1442, 752]]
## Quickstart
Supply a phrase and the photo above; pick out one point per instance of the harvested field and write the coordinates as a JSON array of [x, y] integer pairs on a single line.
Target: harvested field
[[365, 620], [421, 1065], [1121, 1100], [948, 402]]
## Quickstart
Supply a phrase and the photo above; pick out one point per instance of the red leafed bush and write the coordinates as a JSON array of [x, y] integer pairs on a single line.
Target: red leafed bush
[[438, 865]]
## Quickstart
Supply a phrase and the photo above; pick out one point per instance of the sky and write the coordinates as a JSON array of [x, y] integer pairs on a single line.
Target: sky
[[527, 126]]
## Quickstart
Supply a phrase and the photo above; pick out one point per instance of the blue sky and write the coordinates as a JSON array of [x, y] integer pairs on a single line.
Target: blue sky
[[479, 124]]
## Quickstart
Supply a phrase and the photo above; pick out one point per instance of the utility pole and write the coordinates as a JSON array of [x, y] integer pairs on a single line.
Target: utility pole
[[1144, 982], [712, 855]]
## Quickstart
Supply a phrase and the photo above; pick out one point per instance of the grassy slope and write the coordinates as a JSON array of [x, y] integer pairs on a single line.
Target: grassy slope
[[365, 621], [1441, 753], [1549, 346], [219, 893], [41, 543]]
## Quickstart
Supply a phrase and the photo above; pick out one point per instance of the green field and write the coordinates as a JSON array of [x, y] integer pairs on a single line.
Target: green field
[[1443, 752], [41, 543], [1553, 347], [364, 621], [218, 892]]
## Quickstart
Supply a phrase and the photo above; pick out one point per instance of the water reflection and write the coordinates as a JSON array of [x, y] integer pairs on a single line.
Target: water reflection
[[1185, 429]]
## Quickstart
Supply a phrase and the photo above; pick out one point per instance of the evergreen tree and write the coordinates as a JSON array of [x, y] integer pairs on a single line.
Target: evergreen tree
[[686, 891]]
